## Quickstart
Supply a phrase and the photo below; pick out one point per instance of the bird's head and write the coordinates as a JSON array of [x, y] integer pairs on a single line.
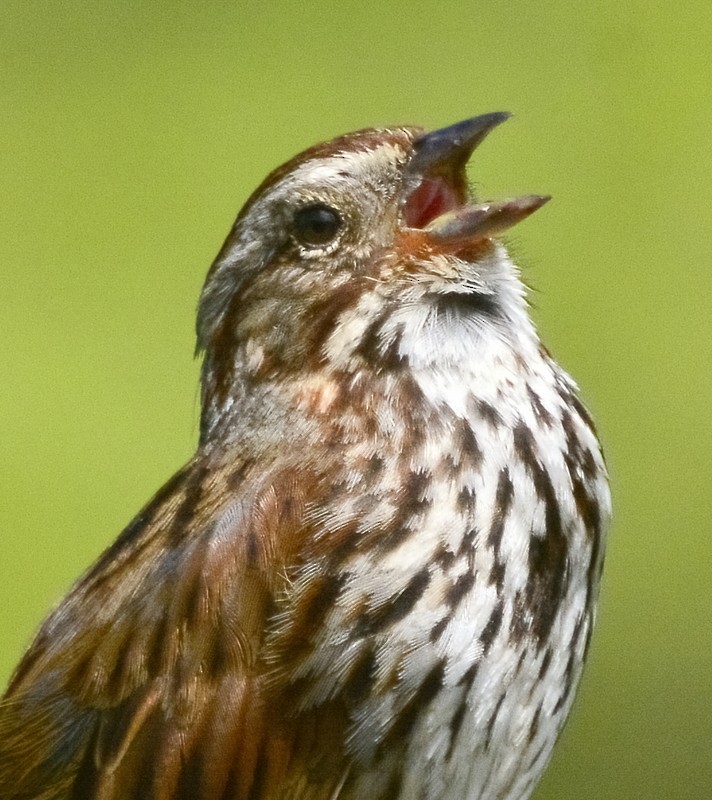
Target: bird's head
[[347, 246]]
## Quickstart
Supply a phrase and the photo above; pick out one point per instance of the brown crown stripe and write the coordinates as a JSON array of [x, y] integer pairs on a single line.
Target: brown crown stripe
[[358, 141]]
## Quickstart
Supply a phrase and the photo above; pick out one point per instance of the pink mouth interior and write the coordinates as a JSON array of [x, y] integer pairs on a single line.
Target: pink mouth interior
[[431, 198]]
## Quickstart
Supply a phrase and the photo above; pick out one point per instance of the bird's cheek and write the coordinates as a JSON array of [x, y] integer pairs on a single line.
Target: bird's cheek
[[412, 243]]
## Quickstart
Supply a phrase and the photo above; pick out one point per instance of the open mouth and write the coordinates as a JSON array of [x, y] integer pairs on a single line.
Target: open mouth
[[438, 206], [430, 199]]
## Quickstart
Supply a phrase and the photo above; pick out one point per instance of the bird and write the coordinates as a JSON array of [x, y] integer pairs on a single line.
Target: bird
[[377, 577]]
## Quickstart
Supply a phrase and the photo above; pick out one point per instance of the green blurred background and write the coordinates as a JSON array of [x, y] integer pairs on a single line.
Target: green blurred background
[[131, 133]]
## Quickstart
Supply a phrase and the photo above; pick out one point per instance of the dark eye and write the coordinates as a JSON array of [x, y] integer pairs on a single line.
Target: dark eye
[[316, 225]]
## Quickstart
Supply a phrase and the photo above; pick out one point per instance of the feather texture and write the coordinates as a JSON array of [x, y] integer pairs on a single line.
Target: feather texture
[[377, 578]]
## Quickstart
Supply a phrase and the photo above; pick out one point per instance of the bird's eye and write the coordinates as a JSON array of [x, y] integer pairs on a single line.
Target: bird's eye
[[316, 225]]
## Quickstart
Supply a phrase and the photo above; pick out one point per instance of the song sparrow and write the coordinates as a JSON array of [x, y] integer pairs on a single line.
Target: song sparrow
[[377, 576]]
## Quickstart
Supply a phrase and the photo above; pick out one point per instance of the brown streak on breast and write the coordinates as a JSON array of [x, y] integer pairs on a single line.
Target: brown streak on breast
[[548, 550]]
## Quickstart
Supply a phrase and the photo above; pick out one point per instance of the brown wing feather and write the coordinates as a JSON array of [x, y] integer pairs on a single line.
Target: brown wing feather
[[147, 681]]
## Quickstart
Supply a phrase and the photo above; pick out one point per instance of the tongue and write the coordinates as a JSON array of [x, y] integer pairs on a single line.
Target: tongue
[[431, 198]]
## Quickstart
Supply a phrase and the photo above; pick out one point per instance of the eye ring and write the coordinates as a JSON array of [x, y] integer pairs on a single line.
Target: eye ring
[[317, 224]]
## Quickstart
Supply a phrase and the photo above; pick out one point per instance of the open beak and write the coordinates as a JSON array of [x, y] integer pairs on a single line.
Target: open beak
[[437, 206]]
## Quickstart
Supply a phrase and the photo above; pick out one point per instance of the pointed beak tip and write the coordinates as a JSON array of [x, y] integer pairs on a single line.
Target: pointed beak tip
[[453, 145], [539, 200], [473, 223], [490, 120]]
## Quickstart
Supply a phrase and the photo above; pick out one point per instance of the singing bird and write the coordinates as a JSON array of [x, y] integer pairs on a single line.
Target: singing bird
[[376, 578]]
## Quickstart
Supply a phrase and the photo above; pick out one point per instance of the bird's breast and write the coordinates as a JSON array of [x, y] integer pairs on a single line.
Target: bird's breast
[[448, 563]]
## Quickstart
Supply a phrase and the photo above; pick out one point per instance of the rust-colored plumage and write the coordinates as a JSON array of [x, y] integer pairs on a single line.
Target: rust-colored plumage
[[377, 576]]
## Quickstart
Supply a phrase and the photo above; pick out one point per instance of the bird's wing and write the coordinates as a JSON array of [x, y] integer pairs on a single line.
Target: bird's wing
[[147, 681]]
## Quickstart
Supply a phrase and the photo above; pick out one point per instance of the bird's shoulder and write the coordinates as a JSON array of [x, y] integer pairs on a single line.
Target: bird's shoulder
[[148, 679]]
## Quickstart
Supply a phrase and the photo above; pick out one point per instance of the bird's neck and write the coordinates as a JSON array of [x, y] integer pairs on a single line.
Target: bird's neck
[[425, 356]]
